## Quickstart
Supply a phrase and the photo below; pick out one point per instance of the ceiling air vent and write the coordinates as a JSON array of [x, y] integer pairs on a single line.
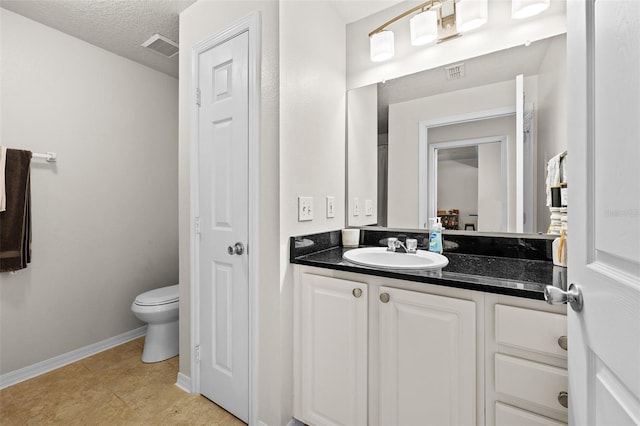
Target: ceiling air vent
[[162, 45], [454, 72]]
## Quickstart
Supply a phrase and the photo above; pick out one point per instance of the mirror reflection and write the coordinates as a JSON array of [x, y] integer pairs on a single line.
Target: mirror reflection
[[453, 142]]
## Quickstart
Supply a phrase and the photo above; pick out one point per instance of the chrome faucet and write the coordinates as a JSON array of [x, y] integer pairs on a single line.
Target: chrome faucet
[[393, 244]]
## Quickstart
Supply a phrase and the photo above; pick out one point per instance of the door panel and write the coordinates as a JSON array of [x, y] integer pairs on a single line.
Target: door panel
[[223, 210], [604, 210]]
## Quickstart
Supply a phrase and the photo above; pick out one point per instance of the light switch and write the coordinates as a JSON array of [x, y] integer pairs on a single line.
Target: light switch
[[368, 207], [331, 201], [305, 209]]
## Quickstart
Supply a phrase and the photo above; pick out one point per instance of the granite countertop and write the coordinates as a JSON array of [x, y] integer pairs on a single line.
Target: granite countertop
[[494, 274]]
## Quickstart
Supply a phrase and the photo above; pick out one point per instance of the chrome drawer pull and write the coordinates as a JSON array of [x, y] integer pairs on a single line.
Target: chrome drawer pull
[[563, 399], [384, 297]]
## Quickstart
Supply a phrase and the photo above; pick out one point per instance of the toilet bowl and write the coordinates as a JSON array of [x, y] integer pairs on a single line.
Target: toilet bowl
[[159, 309]]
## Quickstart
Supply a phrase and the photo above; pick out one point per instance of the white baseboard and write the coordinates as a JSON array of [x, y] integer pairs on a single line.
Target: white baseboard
[[184, 382], [31, 371], [295, 422]]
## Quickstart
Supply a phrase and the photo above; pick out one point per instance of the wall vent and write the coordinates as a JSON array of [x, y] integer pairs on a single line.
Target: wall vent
[[454, 72], [162, 45]]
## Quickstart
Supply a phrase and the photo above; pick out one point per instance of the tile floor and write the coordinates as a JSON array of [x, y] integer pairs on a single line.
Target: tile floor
[[110, 388]]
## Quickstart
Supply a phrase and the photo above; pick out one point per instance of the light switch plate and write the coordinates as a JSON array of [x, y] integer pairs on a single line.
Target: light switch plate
[[356, 207], [368, 207], [331, 206], [305, 209]]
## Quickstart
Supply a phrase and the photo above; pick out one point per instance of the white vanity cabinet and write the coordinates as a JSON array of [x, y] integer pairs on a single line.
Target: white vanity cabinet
[[526, 362], [330, 351], [366, 353], [427, 364]]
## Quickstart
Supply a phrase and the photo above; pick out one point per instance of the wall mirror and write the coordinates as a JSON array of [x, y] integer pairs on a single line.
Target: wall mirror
[[468, 142]]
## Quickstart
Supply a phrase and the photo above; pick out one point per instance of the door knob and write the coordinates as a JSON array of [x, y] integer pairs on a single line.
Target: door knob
[[237, 248], [573, 296]]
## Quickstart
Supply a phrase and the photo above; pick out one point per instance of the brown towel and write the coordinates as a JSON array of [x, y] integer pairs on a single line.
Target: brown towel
[[15, 222]]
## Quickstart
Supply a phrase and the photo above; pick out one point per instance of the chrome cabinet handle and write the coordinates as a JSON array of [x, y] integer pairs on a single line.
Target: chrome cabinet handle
[[357, 292], [573, 296], [562, 342], [237, 248], [563, 399], [384, 297]]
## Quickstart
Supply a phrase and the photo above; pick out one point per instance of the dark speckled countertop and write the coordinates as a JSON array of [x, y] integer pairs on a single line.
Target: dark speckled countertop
[[507, 273]]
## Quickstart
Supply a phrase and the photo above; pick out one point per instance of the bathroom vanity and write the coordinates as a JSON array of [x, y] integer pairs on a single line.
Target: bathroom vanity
[[473, 343]]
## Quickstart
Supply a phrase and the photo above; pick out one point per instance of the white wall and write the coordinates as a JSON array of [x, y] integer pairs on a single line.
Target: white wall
[[200, 21], [458, 188], [489, 188], [404, 119], [105, 219], [551, 118], [501, 32], [362, 153], [312, 140]]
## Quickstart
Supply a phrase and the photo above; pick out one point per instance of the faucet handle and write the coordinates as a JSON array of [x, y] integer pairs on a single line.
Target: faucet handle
[[412, 245], [391, 243]]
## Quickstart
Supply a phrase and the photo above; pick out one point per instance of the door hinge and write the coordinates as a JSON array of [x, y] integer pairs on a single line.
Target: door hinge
[[198, 353], [197, 225], [198, 96]]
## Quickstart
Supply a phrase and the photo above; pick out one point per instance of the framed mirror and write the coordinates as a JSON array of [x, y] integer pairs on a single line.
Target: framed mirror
[[419, 145]]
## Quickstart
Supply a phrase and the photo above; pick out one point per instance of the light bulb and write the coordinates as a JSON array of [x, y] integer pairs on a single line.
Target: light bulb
[[424, 27], [381, 46], [471, 14]]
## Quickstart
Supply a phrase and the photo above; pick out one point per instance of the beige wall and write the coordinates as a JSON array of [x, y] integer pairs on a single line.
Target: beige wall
[[105, 219]]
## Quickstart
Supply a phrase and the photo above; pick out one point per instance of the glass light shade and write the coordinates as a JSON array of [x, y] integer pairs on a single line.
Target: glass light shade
[[521, 9], [381, 46], [471, 14], [424, 27]]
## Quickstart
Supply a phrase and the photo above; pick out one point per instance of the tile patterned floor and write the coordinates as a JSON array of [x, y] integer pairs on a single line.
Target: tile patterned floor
[[110, 388]]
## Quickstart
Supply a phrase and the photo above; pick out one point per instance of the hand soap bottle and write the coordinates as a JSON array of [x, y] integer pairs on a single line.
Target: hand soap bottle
[[435, 235]]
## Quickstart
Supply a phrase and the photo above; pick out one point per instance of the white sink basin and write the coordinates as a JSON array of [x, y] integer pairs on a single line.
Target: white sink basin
[[380, 257]]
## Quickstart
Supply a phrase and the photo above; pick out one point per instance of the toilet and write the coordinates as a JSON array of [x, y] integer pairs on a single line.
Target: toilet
[[159, 309]]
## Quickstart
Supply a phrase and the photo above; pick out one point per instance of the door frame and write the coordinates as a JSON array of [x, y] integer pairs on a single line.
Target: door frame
[[433, 171], [251, 24], [426, 203]]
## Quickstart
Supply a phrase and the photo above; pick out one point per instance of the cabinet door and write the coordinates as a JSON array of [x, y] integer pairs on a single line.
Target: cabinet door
[[334, 351], [427, 359]]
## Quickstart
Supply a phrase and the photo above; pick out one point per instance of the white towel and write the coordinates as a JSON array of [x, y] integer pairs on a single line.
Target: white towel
[[553, 175], [3, 192]]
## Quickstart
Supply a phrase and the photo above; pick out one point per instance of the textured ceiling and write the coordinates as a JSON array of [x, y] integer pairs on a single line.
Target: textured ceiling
[[119, 26]]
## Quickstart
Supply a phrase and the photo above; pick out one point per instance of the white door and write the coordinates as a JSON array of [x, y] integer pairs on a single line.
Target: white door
[[223, 211], [427, 366], [334, 351], [604, 210]]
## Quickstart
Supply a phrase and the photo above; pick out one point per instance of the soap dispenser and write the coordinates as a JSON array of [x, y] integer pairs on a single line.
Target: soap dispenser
[[435, 235]]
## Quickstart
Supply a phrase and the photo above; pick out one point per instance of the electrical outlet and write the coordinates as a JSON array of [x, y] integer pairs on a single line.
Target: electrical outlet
[[356, 207], [331, 204], [368, 207], [305, 209]]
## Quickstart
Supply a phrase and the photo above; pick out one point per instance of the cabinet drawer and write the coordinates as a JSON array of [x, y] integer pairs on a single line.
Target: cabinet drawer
[[507, 415], [530, 381], [530, 330]]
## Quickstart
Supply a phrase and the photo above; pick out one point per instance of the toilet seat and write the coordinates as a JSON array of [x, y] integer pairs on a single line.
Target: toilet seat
[[159, 296]]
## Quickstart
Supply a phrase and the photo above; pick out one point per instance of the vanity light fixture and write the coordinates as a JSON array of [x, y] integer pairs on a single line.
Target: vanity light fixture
[[440, 20], [435, 20], [521, 9]]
